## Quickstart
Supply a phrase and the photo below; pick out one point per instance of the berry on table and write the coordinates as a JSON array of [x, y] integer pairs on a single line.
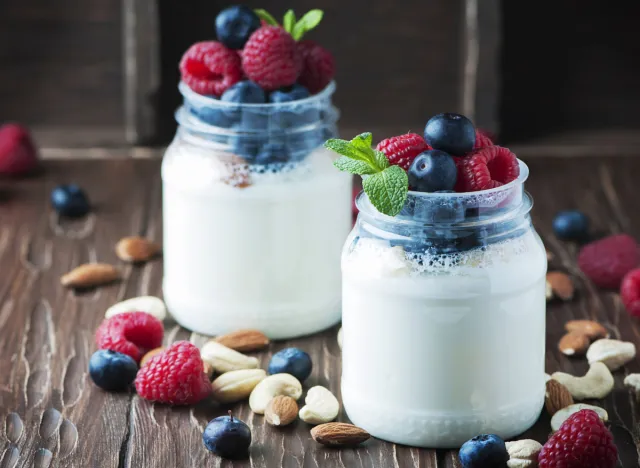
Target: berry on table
[[246, 92], [175, 376], [210, 68], [571, 225], [131, 333], [608, 260], [484, 451], [18, 154], [292, 361], [112, 371], [451, 133], [318, 66], [583, 441], [235, 24], [70, 200], [227, 436], [401, 150], [486, 168], [630, 292], [432, 171], [271, 58]]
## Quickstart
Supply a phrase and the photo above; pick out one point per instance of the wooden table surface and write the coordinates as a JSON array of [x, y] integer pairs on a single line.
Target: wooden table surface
[[55, 416]]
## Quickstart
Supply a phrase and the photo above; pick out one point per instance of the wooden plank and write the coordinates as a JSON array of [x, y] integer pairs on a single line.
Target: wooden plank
[[46, 333]]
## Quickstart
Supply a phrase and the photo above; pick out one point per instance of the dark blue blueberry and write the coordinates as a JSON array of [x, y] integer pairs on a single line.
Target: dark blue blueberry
[[431, 171], [452, 133], [571, 225], [217, 117], [272, 153], [246, 146], [70, 200], [227, 437], [295, 115], [484, 451], [112, 371], [245, 92], [235, 24], [289, 94], [292, 361]]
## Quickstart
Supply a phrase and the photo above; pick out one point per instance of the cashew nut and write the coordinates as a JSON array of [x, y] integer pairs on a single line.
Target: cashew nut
[[633, 381], [614, 353], [272, 386], [149, 304], [225, 359], [563, 414], [321, 406], [596, 383], [523, 453]]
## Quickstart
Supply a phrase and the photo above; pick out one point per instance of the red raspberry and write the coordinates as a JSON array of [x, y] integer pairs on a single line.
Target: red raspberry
[[175, 376], [210, 68], [271, 58], [630, 292], [582, 441], [607, 260], [18, 154], [486, 168], [482, 139], [131, 333], [402, 150], [319, 66]]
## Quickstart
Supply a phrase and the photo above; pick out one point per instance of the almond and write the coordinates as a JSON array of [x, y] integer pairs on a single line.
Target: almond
[[557, 397], [90, 274], [574, 344], [280, 411], [136, 249], [244, 340], [587, 327], [561, 285], [339, 434], [150, 354]]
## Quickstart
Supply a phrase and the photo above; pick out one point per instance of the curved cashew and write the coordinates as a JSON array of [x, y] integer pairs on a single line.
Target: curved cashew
[[563, 414], [596, 383], [271, 387], [614, 353], [523, 453]]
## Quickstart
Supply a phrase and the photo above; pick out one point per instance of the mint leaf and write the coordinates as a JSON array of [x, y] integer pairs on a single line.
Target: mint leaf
[[265, 15], [308, 22], [353, 166], [363, 140], [289, 21], [346, 148], [387, 190], [381, 159]]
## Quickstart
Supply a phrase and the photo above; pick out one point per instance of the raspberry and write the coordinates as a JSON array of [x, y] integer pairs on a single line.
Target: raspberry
[[630, 292], [582, 441], [175, 376], [486, 168], [131, 333], [318, 67], [402, 150], [210, 68], [18, 154], [482, 139], [606, 261], [271, 58]]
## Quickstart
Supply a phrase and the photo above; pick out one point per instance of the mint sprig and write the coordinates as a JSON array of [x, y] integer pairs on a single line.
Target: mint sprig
[[297, 29], [385, 185]]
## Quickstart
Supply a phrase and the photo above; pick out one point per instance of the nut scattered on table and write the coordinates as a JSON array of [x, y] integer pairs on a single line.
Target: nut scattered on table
[[90, 274], [321, 406], [596, 383], [136, 249], [150, 304], [562, 415], [592, 329], [574, 344], [271, 387], [150, 354], [633, 381], [281, 411], [244, 341], [613, 353], [224, 359], [523, 453], [561, 285], [557, 396], [337, 434], [236, 385]]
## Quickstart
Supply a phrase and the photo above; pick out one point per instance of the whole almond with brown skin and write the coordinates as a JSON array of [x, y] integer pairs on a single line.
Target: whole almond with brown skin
[[90, 274], [561, 285], [574, 344], [136, 249], [557, 397], [244, 340], [154, 352], [590, 328], [337, 434], [280, 411]]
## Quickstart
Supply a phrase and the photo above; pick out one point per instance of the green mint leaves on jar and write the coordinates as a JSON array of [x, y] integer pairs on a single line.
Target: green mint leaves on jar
[[385, 185]]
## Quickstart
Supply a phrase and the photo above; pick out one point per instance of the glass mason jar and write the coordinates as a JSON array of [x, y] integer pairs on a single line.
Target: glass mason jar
[[443, 317], [255, 216]]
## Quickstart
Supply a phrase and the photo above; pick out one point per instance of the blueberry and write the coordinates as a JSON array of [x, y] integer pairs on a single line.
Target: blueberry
[[292, 361], [112, 371], [235, 24], [293, 116], [217, 117], [246, 146], [289, 94], [246, 92], [571, 225], [227, 436], [272, 153], [431, 171], [70, 200], [452, 133], [484, 451]]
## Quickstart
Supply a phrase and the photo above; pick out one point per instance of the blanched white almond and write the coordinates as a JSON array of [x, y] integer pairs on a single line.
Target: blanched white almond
[[321, 406], [150, 304], [224, 359], [236, 385]]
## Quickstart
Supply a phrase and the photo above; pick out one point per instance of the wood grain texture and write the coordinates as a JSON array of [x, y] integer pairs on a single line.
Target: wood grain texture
[[53, 415]]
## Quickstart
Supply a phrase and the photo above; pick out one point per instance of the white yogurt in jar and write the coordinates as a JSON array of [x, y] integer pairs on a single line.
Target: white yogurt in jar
[[266, 256], [433, 357]]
